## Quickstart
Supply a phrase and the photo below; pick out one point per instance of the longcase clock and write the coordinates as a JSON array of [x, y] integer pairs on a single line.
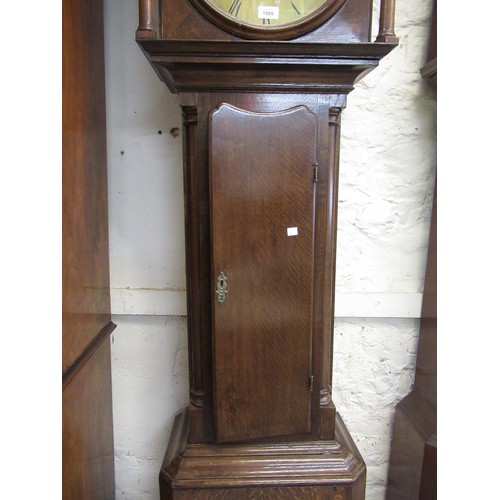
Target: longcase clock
[[262, 85]]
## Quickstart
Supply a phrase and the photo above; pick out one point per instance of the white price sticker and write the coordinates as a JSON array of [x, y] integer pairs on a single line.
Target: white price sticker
[[270, 12], [292, 231]]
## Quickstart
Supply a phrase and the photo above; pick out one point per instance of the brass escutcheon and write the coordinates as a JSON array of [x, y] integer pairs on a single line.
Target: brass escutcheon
[[221, 289]]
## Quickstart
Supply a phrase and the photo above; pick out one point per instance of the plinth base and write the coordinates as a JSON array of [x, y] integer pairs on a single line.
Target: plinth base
[[318, 470]]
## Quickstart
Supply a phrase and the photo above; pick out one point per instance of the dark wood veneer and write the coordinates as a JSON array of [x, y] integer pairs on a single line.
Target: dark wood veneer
[[87, 428], [262, 184], [292, 30], [288, 470], [101, 338], [191, 66], [87, 431], [351, 24], [199, 252], [85, 267], [261, 147], [184, 21]]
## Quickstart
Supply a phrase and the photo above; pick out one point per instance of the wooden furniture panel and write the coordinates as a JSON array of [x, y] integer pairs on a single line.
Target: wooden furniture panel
[[87, 430], [85, 266], [414, 423], [330, 469], [201, 286], [182, 21], [262, 184], [428, 481], [284, 493], [257, 117]]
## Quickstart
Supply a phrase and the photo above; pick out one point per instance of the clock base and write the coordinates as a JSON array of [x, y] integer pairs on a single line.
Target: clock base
[[328, 469]]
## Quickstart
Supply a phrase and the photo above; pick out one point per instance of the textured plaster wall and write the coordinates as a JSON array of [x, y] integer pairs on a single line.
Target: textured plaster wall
[[385, 194], [374, 365]]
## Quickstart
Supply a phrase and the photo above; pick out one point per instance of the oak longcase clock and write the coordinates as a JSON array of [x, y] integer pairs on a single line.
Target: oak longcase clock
[[262, 85]]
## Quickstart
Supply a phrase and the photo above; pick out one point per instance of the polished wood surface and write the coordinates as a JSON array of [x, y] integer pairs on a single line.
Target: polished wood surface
[[87, 431], [146, 28], [327, 196], [183, 21], [257, 77], [287, 470], [250, 66], [85, 266], [414, 422], [325, 111], [262, 205], [269, 32], [386, 22], [351, 24], [428, 481], [257, 117]]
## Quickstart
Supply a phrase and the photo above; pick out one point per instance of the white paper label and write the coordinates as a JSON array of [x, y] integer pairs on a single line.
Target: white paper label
[[270, 12], [292, 231]]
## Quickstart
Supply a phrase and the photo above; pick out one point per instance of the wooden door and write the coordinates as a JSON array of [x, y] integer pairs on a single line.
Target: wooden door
[[262, 222]]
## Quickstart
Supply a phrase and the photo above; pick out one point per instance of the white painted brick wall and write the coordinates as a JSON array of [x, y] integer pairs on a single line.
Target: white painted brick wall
[[373, 368], [150, 384], [386, 183]]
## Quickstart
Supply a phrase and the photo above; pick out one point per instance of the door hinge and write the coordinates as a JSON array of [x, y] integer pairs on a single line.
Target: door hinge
[[315, 172], [311, 383]]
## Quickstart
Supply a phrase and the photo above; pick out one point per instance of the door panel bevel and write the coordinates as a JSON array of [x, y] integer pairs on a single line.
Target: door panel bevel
[[262, 224]]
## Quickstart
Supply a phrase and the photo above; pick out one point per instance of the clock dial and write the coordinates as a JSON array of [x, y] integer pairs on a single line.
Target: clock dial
[[263, 13]]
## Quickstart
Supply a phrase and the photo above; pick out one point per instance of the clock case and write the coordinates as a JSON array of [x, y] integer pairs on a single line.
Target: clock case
[[248, 406]]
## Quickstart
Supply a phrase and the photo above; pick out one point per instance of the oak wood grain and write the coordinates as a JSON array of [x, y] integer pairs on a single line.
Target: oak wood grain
[[199, 243], [262, 357], [309, 469], [184, 21], [87, 429], [262, 215], [246, 66], [85, 265]]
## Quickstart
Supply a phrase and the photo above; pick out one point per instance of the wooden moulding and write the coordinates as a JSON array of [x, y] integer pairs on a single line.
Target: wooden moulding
[[87, 354], [323, 469], [386, 22], [145, 30], [415, 423], [188, 66]]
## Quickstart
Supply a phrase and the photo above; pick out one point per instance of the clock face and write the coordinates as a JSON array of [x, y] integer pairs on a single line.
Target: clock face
[[268, 19], [262, 13]]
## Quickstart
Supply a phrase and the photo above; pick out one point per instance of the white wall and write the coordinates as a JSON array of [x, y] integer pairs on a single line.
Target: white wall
[[385, 194]]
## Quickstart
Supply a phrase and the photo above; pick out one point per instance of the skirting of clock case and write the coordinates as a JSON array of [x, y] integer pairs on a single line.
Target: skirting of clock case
[[322, 470]]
